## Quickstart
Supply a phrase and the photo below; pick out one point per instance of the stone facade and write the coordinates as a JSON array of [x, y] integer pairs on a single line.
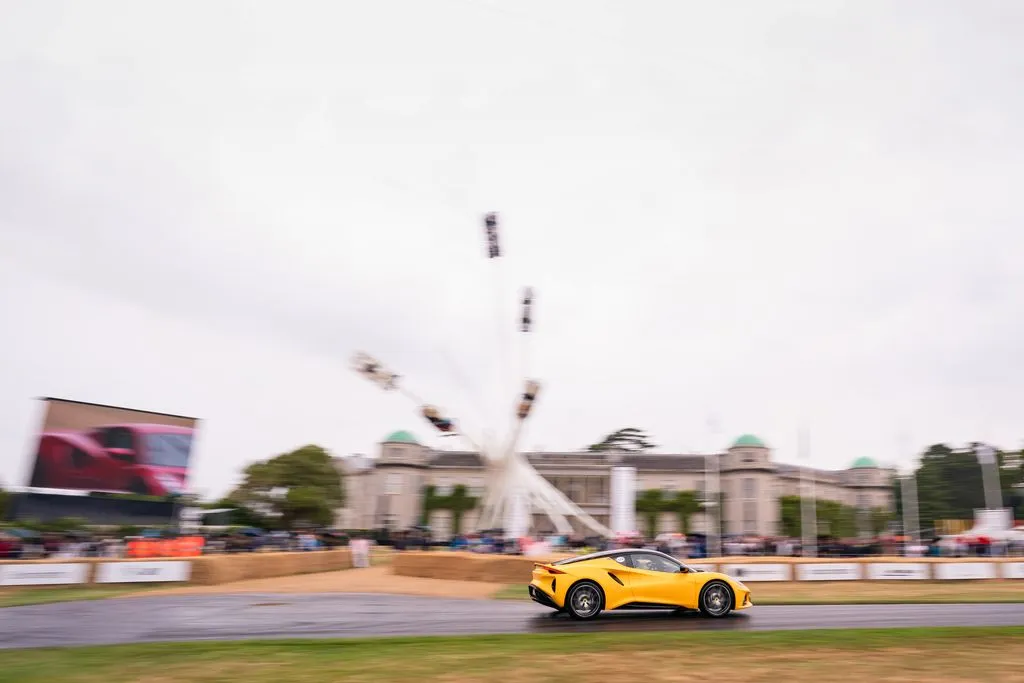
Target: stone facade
[[387, 491]]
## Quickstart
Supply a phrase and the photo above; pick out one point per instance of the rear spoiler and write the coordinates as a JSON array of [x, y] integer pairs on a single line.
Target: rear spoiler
[[548, 568]]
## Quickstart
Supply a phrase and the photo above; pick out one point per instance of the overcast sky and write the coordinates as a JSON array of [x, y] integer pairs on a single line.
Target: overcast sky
[[767, 212]]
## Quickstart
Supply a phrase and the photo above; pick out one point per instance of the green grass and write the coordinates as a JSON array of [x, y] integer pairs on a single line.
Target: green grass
[[812, 656], [18, 597]]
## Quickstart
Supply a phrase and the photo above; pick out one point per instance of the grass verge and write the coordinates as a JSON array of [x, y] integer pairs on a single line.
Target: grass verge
[[977, 654], [19, 597], [862, 592]]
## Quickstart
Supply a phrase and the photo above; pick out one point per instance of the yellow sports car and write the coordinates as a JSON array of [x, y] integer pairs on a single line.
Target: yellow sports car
[[633, 578]]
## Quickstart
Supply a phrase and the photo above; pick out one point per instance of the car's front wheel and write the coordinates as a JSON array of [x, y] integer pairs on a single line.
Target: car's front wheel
[[584, 600], [716, 599]]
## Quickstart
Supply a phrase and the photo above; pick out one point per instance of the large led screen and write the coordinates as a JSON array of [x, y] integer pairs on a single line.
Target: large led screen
[[91, 447]]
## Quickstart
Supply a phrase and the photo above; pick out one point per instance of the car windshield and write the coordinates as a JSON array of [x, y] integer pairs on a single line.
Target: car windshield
[[168, 450]]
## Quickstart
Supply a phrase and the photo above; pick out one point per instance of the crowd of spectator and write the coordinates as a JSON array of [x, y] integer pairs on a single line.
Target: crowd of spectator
[[24, 544]]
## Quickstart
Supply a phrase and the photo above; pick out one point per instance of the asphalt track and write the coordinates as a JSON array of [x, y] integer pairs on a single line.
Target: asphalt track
[[338, 615]]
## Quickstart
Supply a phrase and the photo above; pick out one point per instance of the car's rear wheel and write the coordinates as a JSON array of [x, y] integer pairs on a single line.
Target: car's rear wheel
[[716, 599], [584, 601]]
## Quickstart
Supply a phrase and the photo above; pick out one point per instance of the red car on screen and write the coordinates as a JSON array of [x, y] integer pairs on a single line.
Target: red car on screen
[[147, 459]]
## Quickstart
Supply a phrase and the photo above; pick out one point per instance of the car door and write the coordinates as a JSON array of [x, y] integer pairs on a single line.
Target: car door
[[617, 591], [115, 470], [83, 468], [658, 580]]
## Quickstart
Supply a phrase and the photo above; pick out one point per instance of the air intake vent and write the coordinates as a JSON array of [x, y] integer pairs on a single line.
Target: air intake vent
[[616, 579]]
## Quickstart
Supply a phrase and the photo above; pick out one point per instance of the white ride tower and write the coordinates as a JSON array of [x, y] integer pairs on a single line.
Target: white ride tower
[[515, 491]]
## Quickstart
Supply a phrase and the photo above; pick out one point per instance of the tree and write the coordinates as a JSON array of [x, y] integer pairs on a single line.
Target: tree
[[790, 521], [300, 486], [648, 505], [238, 515], [5, 500], [834, 519], [653, 502], [458, 503], [684, 504], [950, 483], [630, 439], [880, 518]]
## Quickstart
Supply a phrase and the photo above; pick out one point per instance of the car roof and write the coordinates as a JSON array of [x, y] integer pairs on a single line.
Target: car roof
[[148, 428], [608, 553]]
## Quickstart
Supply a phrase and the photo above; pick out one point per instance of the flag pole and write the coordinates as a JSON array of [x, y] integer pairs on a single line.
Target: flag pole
[[989, 462], [808, 506], [908, 491], [713, 486]]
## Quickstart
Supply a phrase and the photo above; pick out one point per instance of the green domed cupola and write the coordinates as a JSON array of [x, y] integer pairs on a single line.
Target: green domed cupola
[[749, 441], [401, 436]]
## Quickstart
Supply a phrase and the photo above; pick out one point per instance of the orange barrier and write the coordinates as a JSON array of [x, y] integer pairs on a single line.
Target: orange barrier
[[186, 546]]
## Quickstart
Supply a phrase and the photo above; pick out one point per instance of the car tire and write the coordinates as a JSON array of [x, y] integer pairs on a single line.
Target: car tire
[[584, 601], [138, 487], [716, 599]]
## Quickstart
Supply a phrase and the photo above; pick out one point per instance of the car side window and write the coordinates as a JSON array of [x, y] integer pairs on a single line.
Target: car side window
[[117, 437], [623, 559], [79, 458], [654, 563]]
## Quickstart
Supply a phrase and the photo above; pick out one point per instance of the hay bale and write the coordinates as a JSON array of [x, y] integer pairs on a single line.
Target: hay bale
[[212, 570], [458, 566]]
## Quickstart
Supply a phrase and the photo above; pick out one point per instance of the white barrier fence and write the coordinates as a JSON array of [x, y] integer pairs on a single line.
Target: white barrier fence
[[143, 572], [55, 574], [69, 573], [43, 574], [833, 571], [873, 571], [898, 571], [757, 572]]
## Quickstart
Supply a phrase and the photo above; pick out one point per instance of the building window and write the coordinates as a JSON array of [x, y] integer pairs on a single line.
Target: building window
[[749, 488], [476, 488], [750, 517], [393, 484], [668, 486], [444, 487]]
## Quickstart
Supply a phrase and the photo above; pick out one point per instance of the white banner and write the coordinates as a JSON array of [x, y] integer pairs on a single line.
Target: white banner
[[832, 571], [1013, 570], [43, 574], [757, 572], [143, 572], [947, 571], [622, 491], [897, 571]]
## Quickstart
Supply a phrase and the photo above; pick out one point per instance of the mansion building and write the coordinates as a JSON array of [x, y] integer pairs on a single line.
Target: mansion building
[[388, 491]]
